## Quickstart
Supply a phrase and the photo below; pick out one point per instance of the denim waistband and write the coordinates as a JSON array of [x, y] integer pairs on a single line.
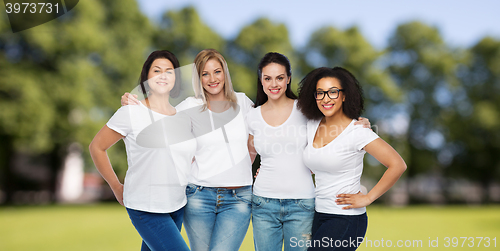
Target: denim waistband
[[283, 200], [222, 189]]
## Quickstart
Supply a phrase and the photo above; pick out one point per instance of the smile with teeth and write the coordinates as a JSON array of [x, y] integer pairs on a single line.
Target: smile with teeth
[[328, 106], [162, 83], [274, 91], [213, 85]]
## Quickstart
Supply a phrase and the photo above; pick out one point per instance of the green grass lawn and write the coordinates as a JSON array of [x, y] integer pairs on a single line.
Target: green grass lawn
[[107, 227]]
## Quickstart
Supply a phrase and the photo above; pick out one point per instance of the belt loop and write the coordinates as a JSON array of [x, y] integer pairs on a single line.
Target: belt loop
[[200, 188]]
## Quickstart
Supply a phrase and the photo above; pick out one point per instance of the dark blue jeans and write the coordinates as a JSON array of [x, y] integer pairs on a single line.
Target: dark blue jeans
[[159, 231], [338, 232]]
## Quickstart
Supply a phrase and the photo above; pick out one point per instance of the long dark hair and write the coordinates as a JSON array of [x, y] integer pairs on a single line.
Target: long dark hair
[[143, 80], [273, 57]]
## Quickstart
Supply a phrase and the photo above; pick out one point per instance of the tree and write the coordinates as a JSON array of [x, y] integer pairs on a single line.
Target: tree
[[185, 34], [62, 80], [474, 124], [423, 67]]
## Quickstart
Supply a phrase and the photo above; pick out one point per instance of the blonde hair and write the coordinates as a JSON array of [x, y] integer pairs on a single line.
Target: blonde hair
[[199, 64]]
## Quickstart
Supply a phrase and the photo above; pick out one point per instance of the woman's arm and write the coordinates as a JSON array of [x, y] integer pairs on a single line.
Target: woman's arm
[[104, 139], [386, 155], [251, 148]]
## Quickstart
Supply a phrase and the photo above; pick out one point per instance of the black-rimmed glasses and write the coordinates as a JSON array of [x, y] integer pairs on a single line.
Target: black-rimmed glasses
[[332, 94]]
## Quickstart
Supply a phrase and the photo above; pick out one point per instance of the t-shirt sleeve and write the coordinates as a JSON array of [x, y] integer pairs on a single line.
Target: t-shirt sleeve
[[120, 121], [249, 120], [363, 136], [246, 103]]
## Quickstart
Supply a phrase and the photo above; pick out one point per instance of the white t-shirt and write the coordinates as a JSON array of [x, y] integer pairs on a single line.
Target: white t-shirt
[[221, 158], [338, 166], [159, 153], [282, 174]]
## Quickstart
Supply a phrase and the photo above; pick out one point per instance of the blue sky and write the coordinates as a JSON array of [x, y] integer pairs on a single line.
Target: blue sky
[[461, 22]]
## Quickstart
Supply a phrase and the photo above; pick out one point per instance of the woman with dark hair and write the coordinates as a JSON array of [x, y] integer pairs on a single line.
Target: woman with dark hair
[[218, 211], [284, 183], [154, 188], [331, 98]]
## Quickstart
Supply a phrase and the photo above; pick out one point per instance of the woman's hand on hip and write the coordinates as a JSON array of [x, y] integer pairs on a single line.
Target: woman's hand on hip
[[353, 200]]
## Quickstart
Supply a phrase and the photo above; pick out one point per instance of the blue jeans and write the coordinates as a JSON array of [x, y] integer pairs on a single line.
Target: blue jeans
[[342, 232], [281, 221], [159, 231], [217, 218]]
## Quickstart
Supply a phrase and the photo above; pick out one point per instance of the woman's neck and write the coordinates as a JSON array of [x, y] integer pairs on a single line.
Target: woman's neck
[[217, 102], [339, 118], [282, 102], [160, 104], [216, 97]]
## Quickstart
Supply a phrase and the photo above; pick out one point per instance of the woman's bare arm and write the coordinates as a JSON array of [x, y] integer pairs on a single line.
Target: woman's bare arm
[[386, 155], [104, 139]]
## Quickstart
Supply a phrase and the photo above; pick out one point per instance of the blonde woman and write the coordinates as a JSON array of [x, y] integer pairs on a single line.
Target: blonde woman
[[219, 192]]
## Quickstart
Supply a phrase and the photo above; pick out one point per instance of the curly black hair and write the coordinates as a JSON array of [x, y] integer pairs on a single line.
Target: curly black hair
[[353, 104]]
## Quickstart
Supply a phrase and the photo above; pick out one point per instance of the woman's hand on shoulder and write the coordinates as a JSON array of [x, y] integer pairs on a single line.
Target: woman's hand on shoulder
[[363, 121], [129, 99]]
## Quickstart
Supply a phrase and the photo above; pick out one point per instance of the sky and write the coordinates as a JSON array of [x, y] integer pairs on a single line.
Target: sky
[[462, 23]]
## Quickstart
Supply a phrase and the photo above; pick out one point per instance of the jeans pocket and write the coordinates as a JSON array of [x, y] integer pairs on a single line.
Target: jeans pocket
[[257, 202], [307, 204], [191, 190], [136, 215], [244, 195]]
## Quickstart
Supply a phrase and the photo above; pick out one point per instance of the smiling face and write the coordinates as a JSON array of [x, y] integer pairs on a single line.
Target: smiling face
[[274, 80], [330, 107], [161, 76], [212, 77]]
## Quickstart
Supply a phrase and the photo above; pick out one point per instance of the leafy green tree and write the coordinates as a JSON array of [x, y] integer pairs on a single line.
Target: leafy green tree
[[331, 47], [424, 67], [185, 34], [62, 80], [474, 123]]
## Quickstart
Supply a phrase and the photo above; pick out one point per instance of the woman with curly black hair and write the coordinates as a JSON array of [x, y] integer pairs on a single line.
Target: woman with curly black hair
[[332, 100]]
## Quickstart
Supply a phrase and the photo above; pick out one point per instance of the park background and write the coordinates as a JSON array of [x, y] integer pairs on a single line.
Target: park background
[[431, 93]]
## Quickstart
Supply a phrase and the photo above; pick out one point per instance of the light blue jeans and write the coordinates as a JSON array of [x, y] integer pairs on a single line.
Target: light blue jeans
[[159, 231], [281, 221], [217, 218]]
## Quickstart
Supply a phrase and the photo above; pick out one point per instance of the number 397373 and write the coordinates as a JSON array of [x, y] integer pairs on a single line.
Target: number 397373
[[31, 8]]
